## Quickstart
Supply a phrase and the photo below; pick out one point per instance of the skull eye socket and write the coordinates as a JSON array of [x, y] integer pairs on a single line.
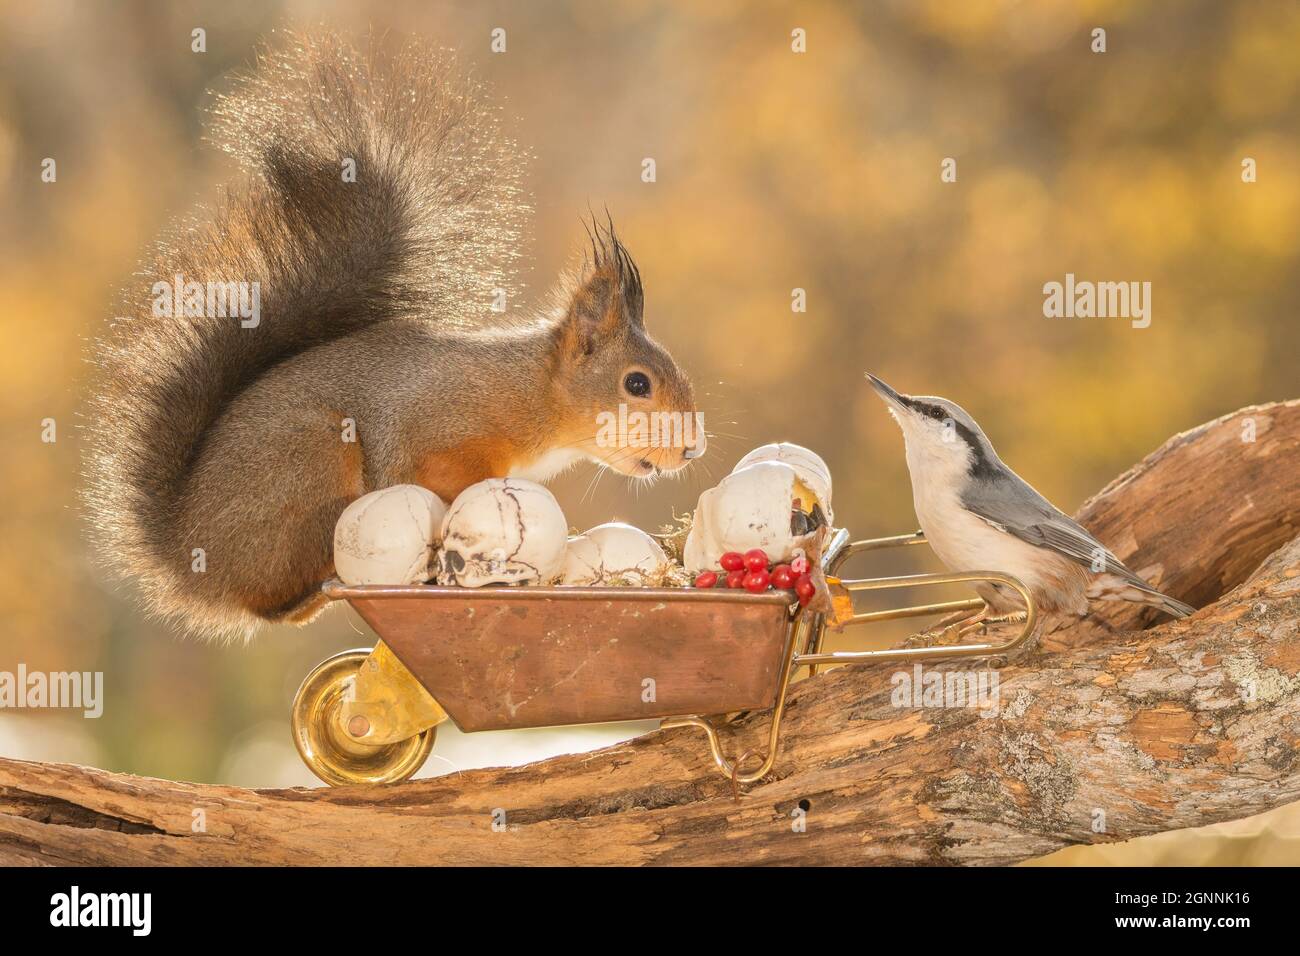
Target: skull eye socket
[[637, 384]]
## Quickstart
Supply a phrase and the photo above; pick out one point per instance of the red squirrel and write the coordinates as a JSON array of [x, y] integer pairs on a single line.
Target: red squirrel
[[380, 214]]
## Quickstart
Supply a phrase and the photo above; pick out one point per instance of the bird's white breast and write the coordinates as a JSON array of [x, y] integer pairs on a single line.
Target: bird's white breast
[[960, 539], [963, 541]]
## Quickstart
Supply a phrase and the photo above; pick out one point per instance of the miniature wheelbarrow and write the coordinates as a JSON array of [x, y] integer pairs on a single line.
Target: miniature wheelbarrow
[[499, 658]]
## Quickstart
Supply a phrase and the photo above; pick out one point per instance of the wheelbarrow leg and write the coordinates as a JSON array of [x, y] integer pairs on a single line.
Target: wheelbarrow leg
[[387, 703], [732, 769]]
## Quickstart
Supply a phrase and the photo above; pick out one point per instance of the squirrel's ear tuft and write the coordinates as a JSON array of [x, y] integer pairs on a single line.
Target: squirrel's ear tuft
[[610, 259], [608, 297]]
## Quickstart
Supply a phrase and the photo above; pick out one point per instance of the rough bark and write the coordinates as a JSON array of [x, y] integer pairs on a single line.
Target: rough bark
[[1130, 732]]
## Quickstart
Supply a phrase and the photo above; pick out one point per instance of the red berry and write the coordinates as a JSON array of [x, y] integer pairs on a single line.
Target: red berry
[[783, 577], [804, 587], [756, 559], [732, 561], [735, 579], [757, 581], [706, 579], [800, 565]]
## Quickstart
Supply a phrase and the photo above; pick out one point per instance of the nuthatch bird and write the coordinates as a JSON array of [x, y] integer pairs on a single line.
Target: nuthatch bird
[[978, 514]]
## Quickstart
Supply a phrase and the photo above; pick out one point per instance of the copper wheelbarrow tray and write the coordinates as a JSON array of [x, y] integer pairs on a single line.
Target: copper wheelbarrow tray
[[513, 657]]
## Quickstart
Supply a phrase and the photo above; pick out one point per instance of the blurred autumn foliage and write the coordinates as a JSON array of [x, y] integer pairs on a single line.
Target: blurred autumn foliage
[[775, 171]]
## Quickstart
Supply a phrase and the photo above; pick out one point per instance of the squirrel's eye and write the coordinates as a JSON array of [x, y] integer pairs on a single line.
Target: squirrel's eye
[[637, 383]]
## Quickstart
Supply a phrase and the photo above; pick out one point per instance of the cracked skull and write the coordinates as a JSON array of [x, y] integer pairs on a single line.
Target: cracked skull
[[614, 554], [388, 536], [502, 531], [808, 465], [758, 506]]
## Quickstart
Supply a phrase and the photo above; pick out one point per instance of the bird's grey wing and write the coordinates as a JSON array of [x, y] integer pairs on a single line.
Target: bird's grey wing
[[1010, 503]]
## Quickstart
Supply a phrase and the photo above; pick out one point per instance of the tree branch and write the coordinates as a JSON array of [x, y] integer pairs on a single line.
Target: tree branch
[[1188, 723]]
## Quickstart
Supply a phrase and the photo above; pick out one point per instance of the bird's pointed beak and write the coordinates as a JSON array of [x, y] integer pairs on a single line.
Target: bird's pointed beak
[[886, 393]]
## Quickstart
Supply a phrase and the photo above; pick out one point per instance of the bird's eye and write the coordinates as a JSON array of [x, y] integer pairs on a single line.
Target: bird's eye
[[637, 383], [937, 413]]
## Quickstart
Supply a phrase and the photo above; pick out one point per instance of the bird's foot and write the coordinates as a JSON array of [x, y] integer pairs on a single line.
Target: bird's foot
[[947, 635], [1015, 617], [957, 632]]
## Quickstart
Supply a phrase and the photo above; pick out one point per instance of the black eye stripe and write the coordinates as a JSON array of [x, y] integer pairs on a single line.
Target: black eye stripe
[[927, 409]]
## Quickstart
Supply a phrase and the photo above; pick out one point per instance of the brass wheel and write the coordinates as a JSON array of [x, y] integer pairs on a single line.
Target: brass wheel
[[325, 745]]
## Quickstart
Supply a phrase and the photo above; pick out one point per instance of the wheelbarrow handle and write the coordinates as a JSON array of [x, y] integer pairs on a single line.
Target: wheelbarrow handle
[[840, 550]]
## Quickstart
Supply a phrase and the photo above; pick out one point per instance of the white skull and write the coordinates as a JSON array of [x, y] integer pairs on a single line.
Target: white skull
[[809, 465], [750, 508], [388, 536], [614, 554], [502, 531]]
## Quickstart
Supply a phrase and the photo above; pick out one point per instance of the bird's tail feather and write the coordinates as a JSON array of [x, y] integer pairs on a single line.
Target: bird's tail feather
[[1111, 589], [1164, 602]]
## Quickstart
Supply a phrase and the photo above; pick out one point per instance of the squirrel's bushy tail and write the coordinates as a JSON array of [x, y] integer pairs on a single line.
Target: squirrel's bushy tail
[[427, 227]]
